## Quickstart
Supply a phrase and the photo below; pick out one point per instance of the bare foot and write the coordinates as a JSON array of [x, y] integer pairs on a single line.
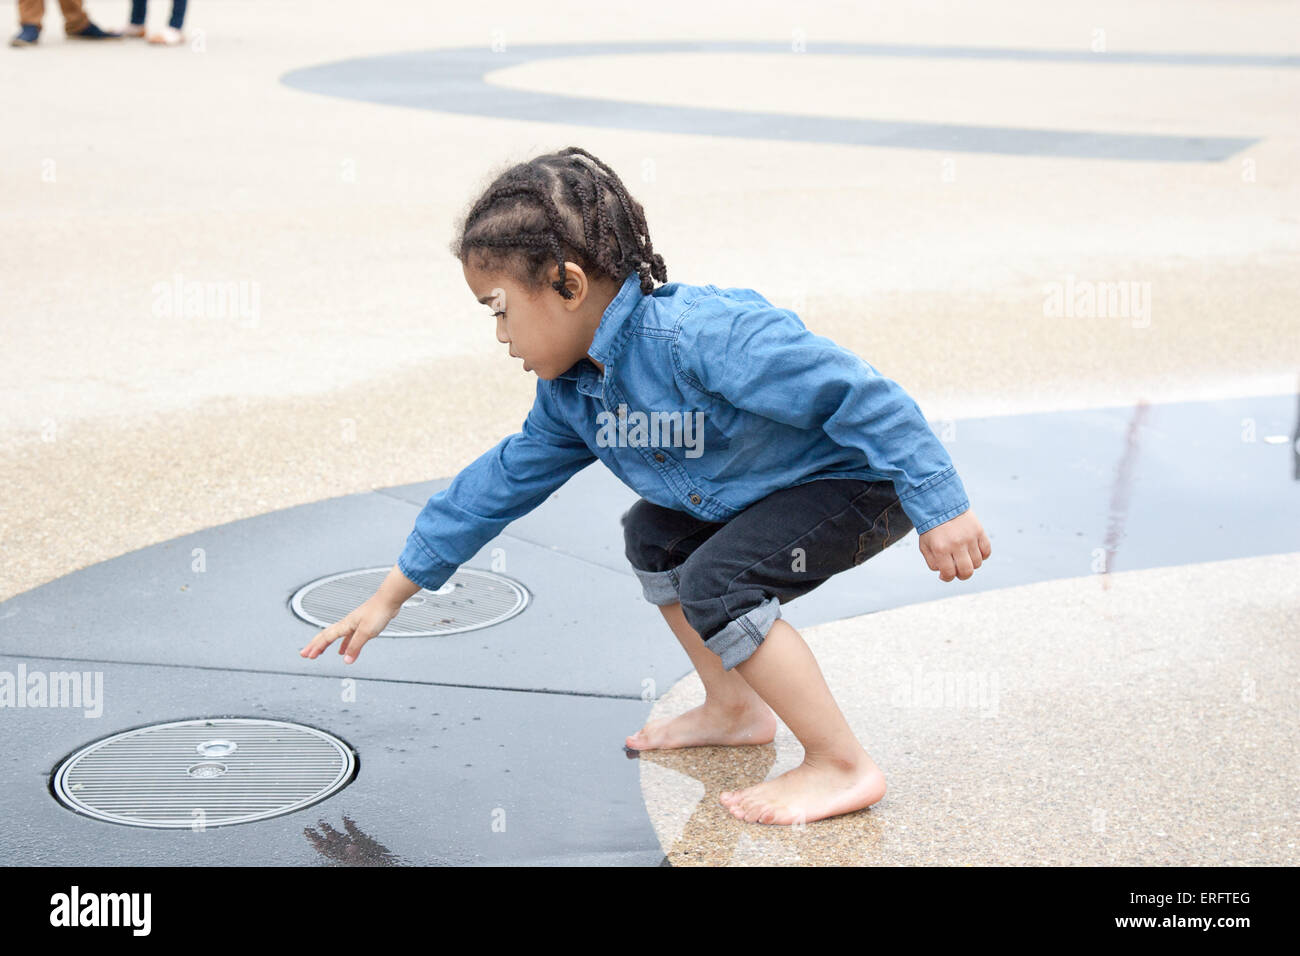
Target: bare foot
[[814, 790], [708, 725]]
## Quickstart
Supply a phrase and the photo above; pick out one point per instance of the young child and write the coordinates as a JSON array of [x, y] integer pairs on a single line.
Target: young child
[[787, 459]]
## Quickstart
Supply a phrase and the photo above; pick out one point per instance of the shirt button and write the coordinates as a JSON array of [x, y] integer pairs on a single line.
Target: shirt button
[[659, 456], [695, 499]]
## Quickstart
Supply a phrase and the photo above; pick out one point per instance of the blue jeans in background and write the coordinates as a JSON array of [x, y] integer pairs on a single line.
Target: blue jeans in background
[[138, 8]]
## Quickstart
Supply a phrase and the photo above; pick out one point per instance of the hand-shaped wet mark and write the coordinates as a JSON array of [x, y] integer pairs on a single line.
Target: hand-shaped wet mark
[[353, 848]]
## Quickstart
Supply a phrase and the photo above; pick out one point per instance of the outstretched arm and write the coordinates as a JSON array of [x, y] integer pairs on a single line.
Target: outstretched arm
[[504, 483]]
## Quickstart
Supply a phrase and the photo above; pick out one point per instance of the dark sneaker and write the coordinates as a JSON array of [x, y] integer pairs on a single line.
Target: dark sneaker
[[92, 32], [27, 36]]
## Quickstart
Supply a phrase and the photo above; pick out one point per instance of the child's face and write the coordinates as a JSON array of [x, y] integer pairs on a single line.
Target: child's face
[[548, 332]]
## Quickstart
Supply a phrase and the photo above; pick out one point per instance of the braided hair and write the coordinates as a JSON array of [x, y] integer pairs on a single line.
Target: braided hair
[[558, 206]]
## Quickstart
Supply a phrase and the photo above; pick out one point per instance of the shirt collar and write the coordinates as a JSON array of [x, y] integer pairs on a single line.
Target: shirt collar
[[612, 333]]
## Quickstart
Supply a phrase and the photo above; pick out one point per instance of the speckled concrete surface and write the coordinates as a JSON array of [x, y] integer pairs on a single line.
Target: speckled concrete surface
[[1143, 718], [366, 363], [101, 488]]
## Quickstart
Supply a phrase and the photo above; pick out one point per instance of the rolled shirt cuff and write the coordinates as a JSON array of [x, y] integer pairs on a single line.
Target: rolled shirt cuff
[[421, 566], [942, 499]]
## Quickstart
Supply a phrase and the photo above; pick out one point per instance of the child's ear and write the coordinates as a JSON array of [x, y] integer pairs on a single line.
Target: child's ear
[[576, 281]]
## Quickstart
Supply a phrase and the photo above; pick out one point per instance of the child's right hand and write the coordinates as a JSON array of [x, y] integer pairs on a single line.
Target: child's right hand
[[367, 620], [957, 547], [358, 627]]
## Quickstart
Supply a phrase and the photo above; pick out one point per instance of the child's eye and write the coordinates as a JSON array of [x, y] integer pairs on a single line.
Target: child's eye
[[495, 314]]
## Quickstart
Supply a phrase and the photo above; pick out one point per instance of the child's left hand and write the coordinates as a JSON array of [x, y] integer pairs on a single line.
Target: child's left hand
[[957, 547]]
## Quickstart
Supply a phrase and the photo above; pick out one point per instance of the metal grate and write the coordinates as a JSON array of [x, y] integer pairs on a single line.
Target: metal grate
[[468, 601], [204, 773]]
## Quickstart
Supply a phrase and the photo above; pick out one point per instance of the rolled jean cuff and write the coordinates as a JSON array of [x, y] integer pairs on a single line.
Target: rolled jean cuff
[[739, 639], [659, 587]]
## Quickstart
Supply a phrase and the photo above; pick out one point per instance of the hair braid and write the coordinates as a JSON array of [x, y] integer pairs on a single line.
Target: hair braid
[[558, 207], [648, 263]]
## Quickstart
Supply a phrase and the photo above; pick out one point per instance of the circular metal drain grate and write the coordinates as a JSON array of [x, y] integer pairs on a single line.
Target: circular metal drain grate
[[210, 772], [468, 601]]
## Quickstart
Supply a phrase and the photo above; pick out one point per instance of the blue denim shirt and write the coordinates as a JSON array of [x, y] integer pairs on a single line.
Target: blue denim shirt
[[760, 403]]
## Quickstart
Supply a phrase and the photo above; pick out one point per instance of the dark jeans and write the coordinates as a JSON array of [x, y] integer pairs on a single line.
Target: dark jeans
[[138, 8], [731, 577]]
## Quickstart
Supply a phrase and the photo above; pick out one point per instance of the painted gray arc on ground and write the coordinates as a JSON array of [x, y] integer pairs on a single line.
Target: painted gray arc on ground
[[453, 81]]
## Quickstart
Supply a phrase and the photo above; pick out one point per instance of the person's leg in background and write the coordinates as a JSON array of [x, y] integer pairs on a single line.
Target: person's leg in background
[[31, 12], [30, 15], [139, 13], [75, 20], [171, 34], [76, 23]]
